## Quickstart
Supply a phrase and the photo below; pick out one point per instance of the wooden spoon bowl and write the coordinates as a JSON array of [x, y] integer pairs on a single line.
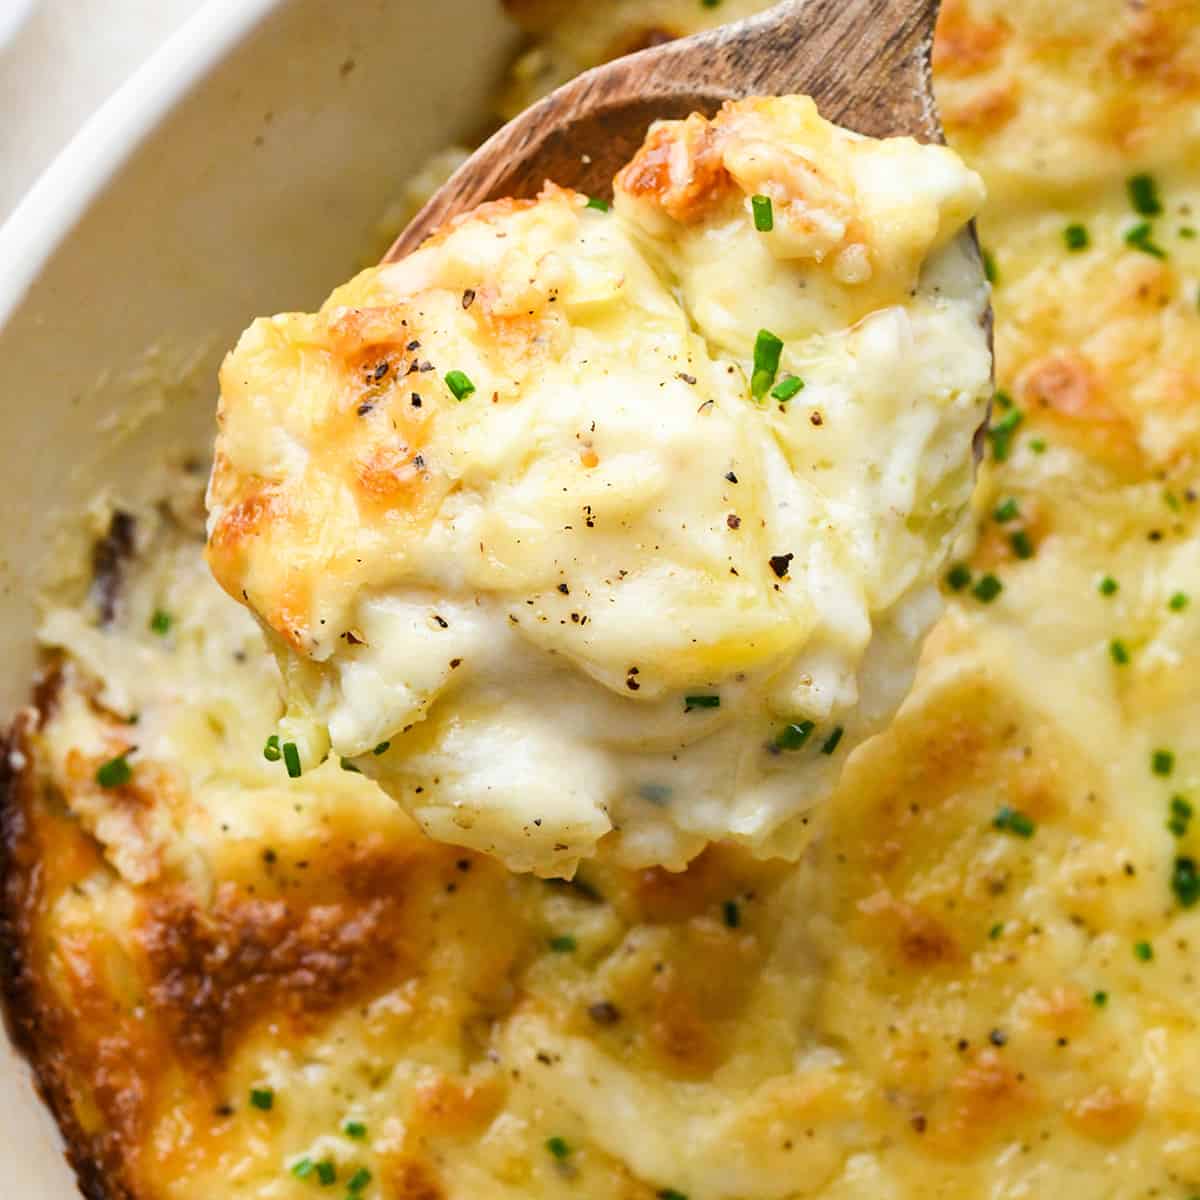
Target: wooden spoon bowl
[[865, 62]]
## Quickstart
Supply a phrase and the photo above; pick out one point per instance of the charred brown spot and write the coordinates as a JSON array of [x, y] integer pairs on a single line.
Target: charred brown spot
[[110, 555], [964, 45], [215, 971], [680, 168], [917, 937]]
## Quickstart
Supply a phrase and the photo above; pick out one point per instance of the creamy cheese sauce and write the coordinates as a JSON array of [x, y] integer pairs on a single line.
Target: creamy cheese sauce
[[633, 591], [979, 980]]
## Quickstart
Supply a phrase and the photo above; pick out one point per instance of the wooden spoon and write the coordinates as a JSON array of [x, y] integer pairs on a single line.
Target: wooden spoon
[[865, 62]]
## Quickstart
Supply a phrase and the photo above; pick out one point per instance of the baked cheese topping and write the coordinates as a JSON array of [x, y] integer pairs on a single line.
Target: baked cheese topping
[[583, 526]]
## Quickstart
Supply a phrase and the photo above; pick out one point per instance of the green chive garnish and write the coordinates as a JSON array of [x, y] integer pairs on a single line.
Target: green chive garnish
[[1143, 195], [1037, 445], [1006, 511], [1099, 999], [1178, 602], [564, 943], [262, 1098], [558, 1147], [271, 751], [764, 213], [671, 1193], [160, 623], [355, 1129], [1119, 652], [1002, 432], [115, 773], [1185, 882], [996, 930], [987, 589], [347, 765], [1143, 951], [731, 913], [1022, 546], [359, 1180], [787, 388], [303, 1169], [958, 577], [460, 384], [831, 742], [767, 350], [1011, 820], [990, 273], [1076, 237], [598, 204], [291, 760], [382, 748], [1108, 586], [690, 702], [793, 736], [1181, 816], [326, 1172], [1162, 762], [1141, 237]]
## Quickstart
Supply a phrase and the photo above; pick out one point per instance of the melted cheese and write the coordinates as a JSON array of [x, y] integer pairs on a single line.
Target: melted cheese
[[924, 1005], [520, 592]]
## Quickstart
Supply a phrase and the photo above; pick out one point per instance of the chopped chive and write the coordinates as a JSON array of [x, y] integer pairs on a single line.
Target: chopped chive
[[1181, 816], [764, 213], [1022, 546], [160, 623], [460, 384], [831, 742], [303, 1169], [382, 748], [115, 773], [1011, 820], [958, 577], [347, 765], [1171, 500], [690, 702], [558, 1147], [599, 204], [1002, 400], [1143, 195], [1119, 652], [1008, 510], [671, 1193], [1107, 586], [1076, 237], [1187, 231], [710, 3], [1037, 445], [358, 1181], [564, 943], [326, 1172], [731, 914], [1140, 237], [990, 273], [1002, 432], [767, 351], [1143, 951], [1162, 762], [1099, 999], [262, 1098], [1185, 882], [271, 751], [354, 1129], [787, 388], [996, 930], [291, 760], [987, 589], [793, 736], [1178, 602]]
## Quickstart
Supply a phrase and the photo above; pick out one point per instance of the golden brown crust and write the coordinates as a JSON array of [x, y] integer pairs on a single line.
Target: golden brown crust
[[34, 1027]]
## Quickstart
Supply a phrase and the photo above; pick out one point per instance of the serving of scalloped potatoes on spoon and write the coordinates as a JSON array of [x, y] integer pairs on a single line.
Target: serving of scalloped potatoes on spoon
[[592, 530]]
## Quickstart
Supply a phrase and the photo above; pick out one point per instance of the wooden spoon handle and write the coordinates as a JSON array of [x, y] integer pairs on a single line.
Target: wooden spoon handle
[[865, 62]]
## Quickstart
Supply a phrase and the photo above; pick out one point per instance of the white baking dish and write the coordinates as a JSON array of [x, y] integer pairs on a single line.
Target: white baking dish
[[241, 171]]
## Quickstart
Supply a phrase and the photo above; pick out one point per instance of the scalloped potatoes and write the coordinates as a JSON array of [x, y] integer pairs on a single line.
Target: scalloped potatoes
[[587, 531]]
